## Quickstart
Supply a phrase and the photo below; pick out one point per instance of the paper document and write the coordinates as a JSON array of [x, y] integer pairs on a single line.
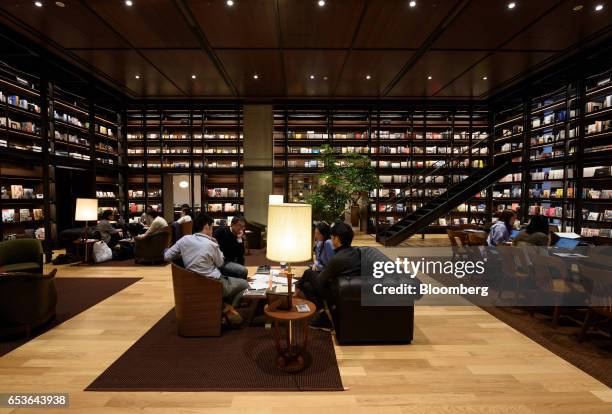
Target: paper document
[[568, 235]]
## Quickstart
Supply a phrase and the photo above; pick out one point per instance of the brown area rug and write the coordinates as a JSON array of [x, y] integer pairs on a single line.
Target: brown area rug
[[593, 355], [239, 360], [74, 295]]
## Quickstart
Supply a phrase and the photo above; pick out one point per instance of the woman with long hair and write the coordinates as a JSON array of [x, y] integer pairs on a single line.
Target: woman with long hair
[[502, 229]]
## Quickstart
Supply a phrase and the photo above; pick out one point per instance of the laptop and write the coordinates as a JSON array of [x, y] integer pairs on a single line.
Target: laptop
[[565, 243], [514, 234]]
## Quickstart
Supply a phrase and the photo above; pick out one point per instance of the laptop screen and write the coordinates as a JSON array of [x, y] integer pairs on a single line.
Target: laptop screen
[[514, 234], [567, 243]]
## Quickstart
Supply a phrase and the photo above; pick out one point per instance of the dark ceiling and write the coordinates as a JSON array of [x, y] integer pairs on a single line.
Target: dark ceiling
[[457, 43]]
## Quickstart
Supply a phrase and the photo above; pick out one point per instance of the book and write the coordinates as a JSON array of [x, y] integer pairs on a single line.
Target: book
[[38, 214], [24, 215], [8, 215], [16, 191]]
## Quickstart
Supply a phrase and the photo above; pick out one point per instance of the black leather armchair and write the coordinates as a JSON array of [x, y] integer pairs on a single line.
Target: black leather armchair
[[355, 323]]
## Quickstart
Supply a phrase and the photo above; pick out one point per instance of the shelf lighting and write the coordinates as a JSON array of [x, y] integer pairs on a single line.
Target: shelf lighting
[[511, 5], [312, 76], [412, 4], [368, 77], [429, 77], [256, 76], [137, 77], [193, 76], [60, 4], [484, 78], [578, 7], [599, 7]]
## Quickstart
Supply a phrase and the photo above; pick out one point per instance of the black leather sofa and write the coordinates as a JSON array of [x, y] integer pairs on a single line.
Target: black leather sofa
[[355, 323]]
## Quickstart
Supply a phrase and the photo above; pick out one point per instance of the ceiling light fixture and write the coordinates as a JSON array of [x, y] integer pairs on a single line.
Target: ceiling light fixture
[[429, 77], [484, 78], [511, 5], [312, 76], [368, 77], [599, 7], [183, 184], [60, 4], [38, 3], [137, 76], [321, 3], [229, 3], [193, 76], [324, 77], [412, 4], [256, 76], [129, 3], [578, 7]]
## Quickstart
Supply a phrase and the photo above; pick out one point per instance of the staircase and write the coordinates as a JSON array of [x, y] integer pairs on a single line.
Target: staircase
[[416, 221]]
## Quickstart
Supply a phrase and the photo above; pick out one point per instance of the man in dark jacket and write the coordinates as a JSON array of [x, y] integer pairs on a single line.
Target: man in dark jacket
[[231, 243], [345, 262]]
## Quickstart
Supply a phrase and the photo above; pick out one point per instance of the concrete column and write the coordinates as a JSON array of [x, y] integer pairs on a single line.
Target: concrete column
[[258, 130]]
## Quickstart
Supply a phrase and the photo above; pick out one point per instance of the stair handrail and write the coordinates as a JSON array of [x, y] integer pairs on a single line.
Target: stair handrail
[[423, 174]]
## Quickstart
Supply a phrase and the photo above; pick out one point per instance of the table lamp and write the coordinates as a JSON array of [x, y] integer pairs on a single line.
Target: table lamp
[[289, 235], [276, 199], [86, 209]]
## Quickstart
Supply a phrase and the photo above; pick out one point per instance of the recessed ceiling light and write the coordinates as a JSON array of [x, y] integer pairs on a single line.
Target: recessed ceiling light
[[230, 3], [484, 78], [429, 77], [577, 7], [193, 76], [60, 4], [368, 77], [412, 4], [38, 3], [137, 76], [511, 5], [129, 3], [324, 77], [312, 76], [183, 184], [256, 76], [321, 3], [599, 7]]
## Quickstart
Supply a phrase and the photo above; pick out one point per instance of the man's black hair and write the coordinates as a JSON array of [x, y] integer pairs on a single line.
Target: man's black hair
[[153, 213], [106, 215], [324, 229], [344, 233], [236, 219], [201, 219]]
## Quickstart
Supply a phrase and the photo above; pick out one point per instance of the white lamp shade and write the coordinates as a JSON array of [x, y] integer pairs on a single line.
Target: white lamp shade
[[289, 232], [275, 199], [86, 209]]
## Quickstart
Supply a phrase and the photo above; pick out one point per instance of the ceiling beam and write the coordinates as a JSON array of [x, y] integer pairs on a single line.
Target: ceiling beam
[[192, 22], [281, 50], [433, 36]]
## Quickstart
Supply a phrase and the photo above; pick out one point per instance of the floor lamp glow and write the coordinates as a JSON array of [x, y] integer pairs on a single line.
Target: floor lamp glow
[[289, 235], [86, 210]]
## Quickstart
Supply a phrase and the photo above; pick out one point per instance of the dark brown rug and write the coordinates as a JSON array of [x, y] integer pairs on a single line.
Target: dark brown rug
[[239, 360], [74, 295], [593, 355]]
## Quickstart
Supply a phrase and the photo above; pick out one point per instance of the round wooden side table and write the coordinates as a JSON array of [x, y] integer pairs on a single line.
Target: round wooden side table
[[291, 356]]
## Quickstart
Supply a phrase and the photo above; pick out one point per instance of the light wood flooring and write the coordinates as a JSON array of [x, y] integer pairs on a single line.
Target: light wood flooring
[[463, 360]]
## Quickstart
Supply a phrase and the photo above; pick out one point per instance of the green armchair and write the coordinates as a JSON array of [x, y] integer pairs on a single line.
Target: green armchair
[[27, 301], [150, 249], [21, 255]]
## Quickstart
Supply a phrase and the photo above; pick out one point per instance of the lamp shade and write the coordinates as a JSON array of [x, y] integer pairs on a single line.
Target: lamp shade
[[289, 232], [275, 199], [86, 209]]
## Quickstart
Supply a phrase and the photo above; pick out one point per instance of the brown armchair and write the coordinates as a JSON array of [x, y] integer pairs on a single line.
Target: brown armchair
[[150, 249], [198, 303], [27, 301], [21, 255], [185, 228]]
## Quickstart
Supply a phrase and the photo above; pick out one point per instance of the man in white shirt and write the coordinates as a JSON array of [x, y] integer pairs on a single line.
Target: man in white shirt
[[157, 223], [201, 254]]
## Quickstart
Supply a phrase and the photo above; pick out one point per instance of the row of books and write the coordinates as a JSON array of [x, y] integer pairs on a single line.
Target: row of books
[[72, 138], [591, 215], [508, 206], [224, 192], [108, 161], [141, 193], [548, 137], [24, 126], [104, 130], [20, 102], [515, 129], [553, 212], [598, 148], [105, 194], [511, 146], [551, 175], [27, 147], [18, 192], [11, 215], [549, 118], [154, 136], [514, 192], [223, 207], [599, 126], [596, 105], [597, 172], [516, 177], [423, 164], [70, 119], [103, 209], [595, 232], [593, 193], [72, 154], [550, 193], [384, 135], [138, 208]]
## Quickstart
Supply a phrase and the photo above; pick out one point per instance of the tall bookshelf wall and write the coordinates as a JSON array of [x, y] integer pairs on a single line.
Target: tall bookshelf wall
[[561, 139], [202, 144]]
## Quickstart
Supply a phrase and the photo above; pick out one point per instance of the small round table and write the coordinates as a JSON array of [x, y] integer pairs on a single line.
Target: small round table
[[291, 357]]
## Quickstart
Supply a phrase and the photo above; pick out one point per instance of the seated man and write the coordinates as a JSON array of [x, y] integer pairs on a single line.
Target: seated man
[[185, 214], [110, 235], [157, 223], [231, 243], [201, 254], [345, 262]]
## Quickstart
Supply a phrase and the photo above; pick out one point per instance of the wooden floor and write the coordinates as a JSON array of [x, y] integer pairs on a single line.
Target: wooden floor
[[462, 360]]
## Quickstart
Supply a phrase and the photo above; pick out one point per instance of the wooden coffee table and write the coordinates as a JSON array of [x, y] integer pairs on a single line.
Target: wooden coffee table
[[291, 356]]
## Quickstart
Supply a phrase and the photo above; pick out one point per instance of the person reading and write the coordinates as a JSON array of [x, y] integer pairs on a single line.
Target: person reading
[[537, 233], [185, 214], [231, 243], [502, 229], [345, 262], [157, 223], [110, 235]]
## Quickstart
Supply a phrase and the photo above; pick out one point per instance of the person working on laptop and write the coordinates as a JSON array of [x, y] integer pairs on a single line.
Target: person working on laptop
[[501, 230], [537, 233], [231, 243], [201, 254]]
